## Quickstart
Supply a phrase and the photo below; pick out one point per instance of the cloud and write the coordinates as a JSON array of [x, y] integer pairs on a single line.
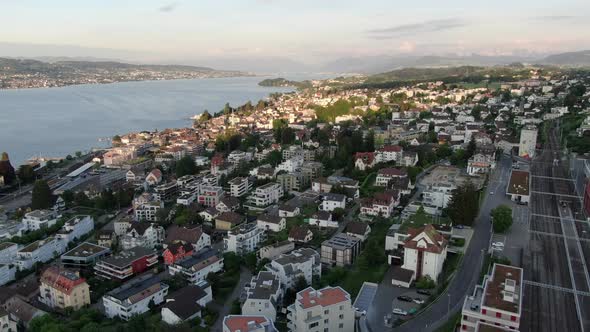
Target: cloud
[[416, 28], [555, 18], [168, 8]]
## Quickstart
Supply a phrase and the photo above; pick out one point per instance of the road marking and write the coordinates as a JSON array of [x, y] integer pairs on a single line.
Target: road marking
[[551, 177], [559, 288]]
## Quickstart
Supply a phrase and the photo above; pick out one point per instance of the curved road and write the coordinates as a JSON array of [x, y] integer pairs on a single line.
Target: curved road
[[468, 273]]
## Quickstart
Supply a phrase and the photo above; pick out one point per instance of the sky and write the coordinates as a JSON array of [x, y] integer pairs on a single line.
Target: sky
[[308, 31]]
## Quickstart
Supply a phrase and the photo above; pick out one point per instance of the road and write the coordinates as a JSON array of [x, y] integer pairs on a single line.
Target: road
[[468, 273], [245, 277]]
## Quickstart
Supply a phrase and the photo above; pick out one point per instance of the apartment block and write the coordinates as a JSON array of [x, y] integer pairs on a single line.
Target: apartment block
[[134, 297], [243, 239], [62, 288], [340, 250], [328, 309]]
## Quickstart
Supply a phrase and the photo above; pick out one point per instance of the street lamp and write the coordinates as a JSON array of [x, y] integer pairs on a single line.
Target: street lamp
[[449, 303]]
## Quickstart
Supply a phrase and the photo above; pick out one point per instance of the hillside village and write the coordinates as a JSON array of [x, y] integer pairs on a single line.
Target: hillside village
[[280, 215]]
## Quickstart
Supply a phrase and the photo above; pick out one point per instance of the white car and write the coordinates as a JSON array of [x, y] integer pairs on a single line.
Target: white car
[[498, 244], [398, 311], [418, 300], [491, 192]]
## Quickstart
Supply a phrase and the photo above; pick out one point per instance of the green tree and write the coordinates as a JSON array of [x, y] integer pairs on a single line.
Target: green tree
[[463, 206], [42, 197], [370, 141], [205, 116], [26, 173], [186, 166], [501, 218]]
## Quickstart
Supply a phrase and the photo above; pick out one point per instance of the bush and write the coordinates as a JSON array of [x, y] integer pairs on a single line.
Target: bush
[[425, 283], [501, 218]]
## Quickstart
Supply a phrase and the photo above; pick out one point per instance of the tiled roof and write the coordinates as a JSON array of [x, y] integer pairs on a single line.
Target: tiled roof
[[324, 297]]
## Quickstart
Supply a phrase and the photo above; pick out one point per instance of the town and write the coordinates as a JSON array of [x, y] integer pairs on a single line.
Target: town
[[438, 205]]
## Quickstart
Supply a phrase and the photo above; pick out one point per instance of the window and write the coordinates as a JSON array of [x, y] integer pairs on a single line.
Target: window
[[341, 316], [340, 325], [326, 312], [312, 325], [325, 321]]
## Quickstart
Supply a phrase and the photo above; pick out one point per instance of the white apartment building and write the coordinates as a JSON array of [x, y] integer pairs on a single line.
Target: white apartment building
[[39, 252], [328, 309], [389, 153], [195, 268], [243, 323], [239, 186], [7, 274], [8, 252], [290, 165], [76, 228], [39, 219], [333, 201], [148, 211], [304, 262], [382, 204], [425, 251], [266, 195], [142, 234], [528, 142], [438, 194], [210, 195], [497, 301], [243, 238], [384, 175], [262, 295], [134, 297]]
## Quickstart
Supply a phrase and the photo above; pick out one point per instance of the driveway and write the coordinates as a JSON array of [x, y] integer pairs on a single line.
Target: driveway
[[467, 274], [245, 277]]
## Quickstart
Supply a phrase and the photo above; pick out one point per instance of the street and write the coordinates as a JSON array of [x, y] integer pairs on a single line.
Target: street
[[451, 300]]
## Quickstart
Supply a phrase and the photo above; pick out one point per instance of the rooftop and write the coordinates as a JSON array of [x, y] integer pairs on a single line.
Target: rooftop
[[86, 249], [503, 289], [519, 183], [341, 241], [239, 323], [125, 258], [137, 289], [324, 297]]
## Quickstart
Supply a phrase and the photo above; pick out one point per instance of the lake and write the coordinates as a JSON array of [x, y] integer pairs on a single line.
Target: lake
[[61, 121]]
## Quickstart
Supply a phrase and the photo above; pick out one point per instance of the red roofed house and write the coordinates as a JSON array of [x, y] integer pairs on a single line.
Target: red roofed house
[[386, 174], [331, 305], [62, 288], [177, 251], [242, 323], [382, 204], [364, 160], [154, 177], [389, 153], [425, 251]]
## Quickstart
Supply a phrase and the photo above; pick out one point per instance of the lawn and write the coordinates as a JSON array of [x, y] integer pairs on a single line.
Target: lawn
[[421, 218]]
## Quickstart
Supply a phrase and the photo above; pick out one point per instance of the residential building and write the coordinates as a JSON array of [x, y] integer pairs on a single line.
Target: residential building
[[301, 263], [196, 267], [154, 177], [288, 211], [39, 252], [271, 223], [209, 214], [364, 160], [228, 220], [6, 323], [310, 170], [385, 175], [186, 304], [134, 297], [21, 311], [332, 201], [425, 251], [358, 229], [438, 194], [240, 186], [39, 219], [519, 186], [62, 288], [142, 234], [324, 185], [85, 255], [177, 251], [497, 301], [244, 323], [274, 250], [483, 161], [210, 195], [8, 252], [389, 153], [300, 234], [126, 264], [243, 239], [323, 219], [290, 181], [76, 228], [166, 192], [340, 250], [528, 142], [106, 238], [327, 309], [263, 294], [7, 274], [381, 204], [227, 204], [195, 235], [266, 195], [148, 211]]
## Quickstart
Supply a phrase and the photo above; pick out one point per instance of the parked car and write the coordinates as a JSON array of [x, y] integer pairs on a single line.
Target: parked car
[[405, 298], [491, 192], [424, 292], [498, 244], [459, 226], [418, 300], [398, 311]]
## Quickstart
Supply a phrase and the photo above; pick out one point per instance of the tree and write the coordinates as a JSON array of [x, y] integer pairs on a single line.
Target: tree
[[185, 166], [463, 206], [274, 158], [471, 147], [370, 141], [501, 218], [425, 283], [42, 197], [26, 173], [205, 116]]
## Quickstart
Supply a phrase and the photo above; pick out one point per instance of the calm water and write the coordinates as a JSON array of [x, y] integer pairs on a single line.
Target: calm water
[[60, 121]]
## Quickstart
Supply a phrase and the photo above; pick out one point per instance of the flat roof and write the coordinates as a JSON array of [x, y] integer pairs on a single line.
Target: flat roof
[[365, 296], [496, 294], [86, 249], [519, 183], [5, 245], [127, 257], [80, 170]]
